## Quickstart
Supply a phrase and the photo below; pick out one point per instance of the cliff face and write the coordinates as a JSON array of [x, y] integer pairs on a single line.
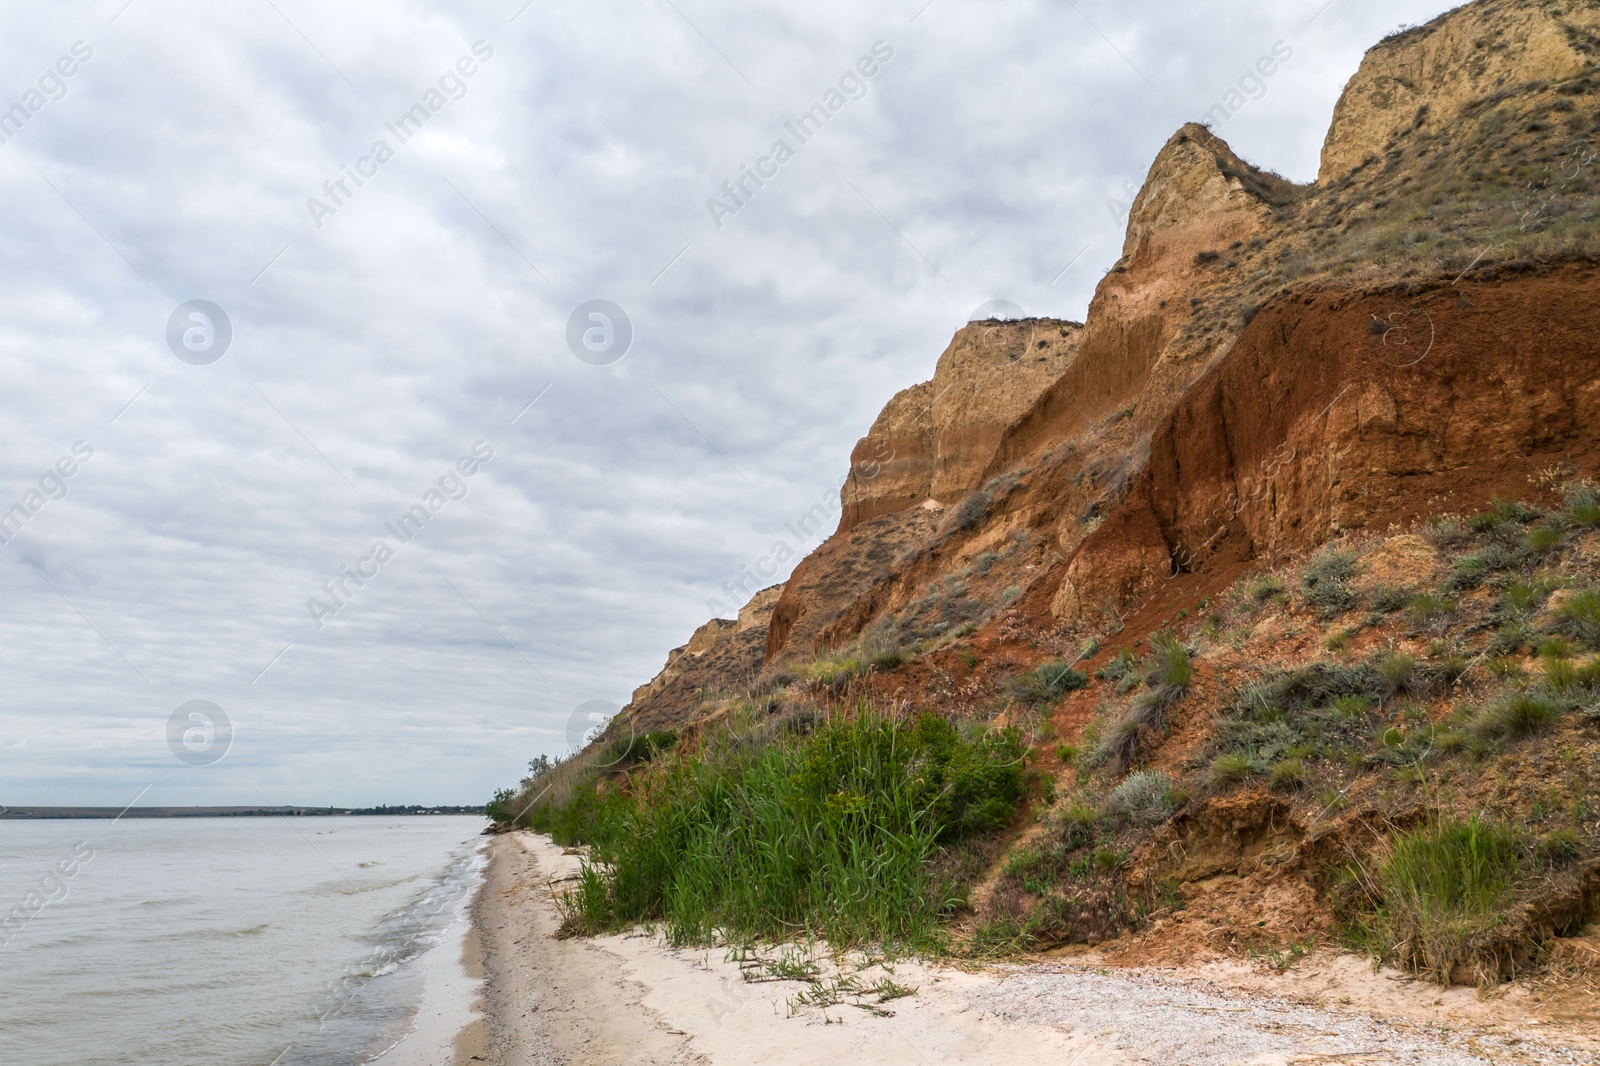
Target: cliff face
[[1432, 73], [722, 655], [935, 440], [1267, 366]]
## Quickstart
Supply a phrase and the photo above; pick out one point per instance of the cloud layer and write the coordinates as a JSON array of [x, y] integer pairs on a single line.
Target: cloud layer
[[392, 308]]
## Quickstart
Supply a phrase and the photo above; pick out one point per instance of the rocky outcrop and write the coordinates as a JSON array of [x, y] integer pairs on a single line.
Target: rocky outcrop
[[720, 656], [935, 440], [1198, 224], [1424, 77]]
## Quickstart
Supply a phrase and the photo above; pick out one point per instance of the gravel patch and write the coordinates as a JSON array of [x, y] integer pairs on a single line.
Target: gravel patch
[[1156, 1019]]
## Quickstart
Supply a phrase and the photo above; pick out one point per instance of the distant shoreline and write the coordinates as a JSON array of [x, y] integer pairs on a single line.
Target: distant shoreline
[[42, 813]]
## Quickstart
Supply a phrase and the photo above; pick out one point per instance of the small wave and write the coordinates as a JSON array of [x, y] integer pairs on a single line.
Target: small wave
[[220, 934], [346, 887]]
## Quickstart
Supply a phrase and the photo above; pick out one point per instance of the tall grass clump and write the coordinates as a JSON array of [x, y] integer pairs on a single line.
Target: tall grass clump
[[1444, 888], [1325, 582], [1580, 616], [833, 834], [1046, 683], [1144, 799]]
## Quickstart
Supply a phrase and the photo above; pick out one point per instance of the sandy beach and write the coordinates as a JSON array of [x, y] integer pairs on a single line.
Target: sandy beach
[[632, 999]]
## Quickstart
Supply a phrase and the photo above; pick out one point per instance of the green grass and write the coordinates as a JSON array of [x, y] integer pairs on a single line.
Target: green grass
[[1516, 715], [1287, 775], [1443, 891], [1266, 587], [1143, 799], [834, 834], [1046, 683], [831, 671], [1580, 617], [1231, 768], [1325, 582], [1426, 607]]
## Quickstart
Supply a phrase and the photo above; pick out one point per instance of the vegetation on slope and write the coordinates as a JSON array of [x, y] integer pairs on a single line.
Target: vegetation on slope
[[848, 828]]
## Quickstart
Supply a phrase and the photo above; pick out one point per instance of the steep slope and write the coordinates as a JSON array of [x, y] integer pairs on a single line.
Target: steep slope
[[1365, 392], [936, 439]]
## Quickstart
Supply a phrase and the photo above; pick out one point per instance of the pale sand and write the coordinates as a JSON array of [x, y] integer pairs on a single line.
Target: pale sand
[[631, 999]]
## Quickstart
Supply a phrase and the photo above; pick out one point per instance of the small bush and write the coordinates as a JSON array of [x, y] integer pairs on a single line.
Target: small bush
[[1444, 889], [1446, 533], [1121, 743], [1582, 504], [1580, 616], [1522, 597], [831, 671], [1231, 768], [1145, 799], [1047, 683], [1287, 775], [1118, 668], [1470, 570], [1325, 582], [1337, 641], [1387, 600], [1426, 607], [1171, 668], [1558, 848], [1352, 708], [1515, 715], [1266, 587], [1543, 540], [1398, 675]]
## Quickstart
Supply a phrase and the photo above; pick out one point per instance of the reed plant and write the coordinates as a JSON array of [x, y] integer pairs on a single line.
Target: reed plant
[[831, 833]]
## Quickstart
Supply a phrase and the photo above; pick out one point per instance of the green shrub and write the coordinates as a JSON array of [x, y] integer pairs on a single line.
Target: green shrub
[[1444, 889], [1325, 581], [1428, 607], [1171, 668], [1337, 641], [832, 671], [1543, 540], [1287, 775], [1470, 570], [1120, 665], [1353, 707], [1266, 587], [1558, 848], [1231, 768], [832, 834], [1387, 600], [1398, 675], [1046, 683], [1520, 598], [1446, 533], [1580, 616], [1515, 715], [1121, 742], [1582, 504], [1144, 799]]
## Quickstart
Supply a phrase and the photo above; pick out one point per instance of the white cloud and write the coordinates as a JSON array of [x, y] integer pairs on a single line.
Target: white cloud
[[416, 321]]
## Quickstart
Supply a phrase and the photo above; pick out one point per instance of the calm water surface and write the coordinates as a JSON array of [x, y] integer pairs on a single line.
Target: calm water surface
[[237, 941]]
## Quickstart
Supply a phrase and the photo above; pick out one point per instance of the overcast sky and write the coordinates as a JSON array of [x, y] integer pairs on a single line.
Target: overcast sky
[[382, 332]]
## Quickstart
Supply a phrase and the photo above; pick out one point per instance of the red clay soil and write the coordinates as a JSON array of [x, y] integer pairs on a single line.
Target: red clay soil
[[1345, 411]]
